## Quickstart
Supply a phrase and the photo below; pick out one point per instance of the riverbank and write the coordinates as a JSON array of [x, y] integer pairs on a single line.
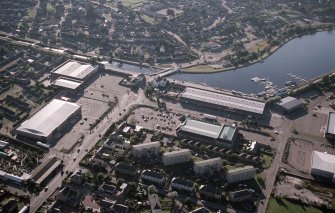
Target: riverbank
[[206, 69]]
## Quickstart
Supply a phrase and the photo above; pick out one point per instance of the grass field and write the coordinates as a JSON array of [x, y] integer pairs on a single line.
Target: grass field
[[267, 160], [199, 68], [131, 3], [50, 7], [285, 206], [32, 13]]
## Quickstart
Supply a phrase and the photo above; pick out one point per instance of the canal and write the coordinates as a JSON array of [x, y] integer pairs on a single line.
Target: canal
[[308, 57]]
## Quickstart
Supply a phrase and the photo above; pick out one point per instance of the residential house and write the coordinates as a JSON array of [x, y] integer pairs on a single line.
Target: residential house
[[241, 195], [154, 177], [210, 191], [182, 184]]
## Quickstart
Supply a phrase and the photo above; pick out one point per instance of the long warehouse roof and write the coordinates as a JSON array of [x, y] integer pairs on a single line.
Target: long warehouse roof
[[210, 130], [45, 121], [224, 100]]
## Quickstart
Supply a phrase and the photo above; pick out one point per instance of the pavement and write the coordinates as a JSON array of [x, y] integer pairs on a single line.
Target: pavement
[[284, 132]]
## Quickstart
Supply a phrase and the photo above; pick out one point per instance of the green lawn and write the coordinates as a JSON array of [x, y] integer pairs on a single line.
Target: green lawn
[[50, 7], [199, 68], [285, 206], [267, 160], [132, 3], [32, 12]]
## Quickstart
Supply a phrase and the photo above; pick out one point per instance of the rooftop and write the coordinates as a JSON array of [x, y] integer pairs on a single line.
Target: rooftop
[[75, 69], [67, 83], [49, 118], [152, 174], [182, 182], [177, 152], [208, 129], [209, 161], [323, 161], [289, 103], [331, 123], [241, 169], [224, 100], [147, 145]]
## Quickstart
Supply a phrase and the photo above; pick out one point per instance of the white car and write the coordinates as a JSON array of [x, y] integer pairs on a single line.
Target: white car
[[276, 132]]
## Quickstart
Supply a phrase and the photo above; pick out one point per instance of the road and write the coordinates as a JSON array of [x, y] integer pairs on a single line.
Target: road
[[88, 143], [284, 132]]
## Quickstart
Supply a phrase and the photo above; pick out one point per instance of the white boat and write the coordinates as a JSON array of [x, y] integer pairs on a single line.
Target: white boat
[[255, 79]]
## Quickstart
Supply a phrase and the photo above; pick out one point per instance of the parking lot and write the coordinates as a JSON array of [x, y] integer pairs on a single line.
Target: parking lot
[[163, 121], [300, 154], [103, 89]]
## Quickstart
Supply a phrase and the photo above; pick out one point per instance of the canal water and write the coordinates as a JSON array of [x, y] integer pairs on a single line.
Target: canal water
[[308, 57]]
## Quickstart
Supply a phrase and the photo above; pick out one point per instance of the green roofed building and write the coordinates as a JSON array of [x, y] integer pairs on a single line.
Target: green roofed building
[[223, 135]]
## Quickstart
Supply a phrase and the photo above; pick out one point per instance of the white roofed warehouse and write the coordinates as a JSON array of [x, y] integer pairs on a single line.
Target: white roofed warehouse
[[75, 70], [323, 165], [223, 135], [330, 128], [222, 101], [51, 119]]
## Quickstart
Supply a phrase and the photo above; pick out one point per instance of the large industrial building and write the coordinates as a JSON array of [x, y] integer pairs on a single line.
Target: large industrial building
[[222, 101], [75, 70], [67, 83], [330, 129], [72, 74], [50, 120], [323, 165], [223, 135]]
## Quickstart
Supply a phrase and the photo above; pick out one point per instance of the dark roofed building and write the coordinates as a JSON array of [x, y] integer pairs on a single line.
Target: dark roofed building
[[148, 175], [182, 184], [241, 195], [289, 104], [10, 207], [210, 191], [108, 188], [126, 169]]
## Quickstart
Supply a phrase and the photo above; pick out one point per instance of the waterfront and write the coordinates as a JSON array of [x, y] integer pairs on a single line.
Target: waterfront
[[309, 56]]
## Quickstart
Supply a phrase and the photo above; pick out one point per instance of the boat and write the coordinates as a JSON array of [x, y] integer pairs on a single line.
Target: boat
[[255, 79]]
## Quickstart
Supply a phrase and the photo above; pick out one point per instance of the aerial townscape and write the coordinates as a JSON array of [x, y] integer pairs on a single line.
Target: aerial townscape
[[180, 106]]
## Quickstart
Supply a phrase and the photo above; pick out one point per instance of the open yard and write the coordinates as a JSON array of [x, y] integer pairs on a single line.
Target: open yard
[[300, 153]]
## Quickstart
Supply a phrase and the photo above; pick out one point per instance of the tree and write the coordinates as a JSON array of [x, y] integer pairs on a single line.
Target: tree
[[170, 12], [134, 140], [152, 189], [173, 196]]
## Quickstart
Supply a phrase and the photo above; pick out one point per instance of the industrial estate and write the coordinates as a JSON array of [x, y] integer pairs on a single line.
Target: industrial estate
[[92, 120]]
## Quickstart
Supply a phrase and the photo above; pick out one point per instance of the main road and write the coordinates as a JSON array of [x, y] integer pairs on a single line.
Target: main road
[[284, 133]]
